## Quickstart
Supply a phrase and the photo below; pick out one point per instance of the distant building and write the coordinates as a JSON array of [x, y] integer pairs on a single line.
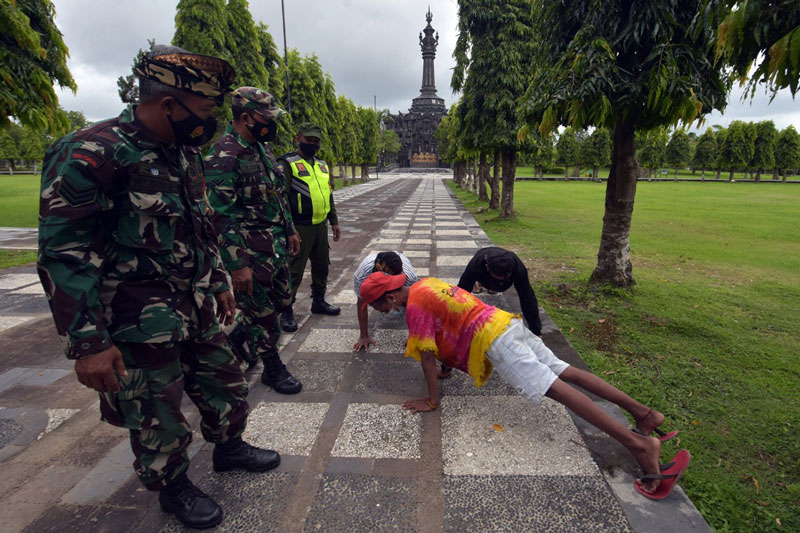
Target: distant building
[[416, 127]]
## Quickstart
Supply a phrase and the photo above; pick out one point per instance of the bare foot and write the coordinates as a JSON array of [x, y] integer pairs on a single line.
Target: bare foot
[[649, 422], [646, 454]]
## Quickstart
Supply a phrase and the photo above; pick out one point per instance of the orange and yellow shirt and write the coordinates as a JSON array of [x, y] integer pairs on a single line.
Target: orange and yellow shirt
[[453, 324]]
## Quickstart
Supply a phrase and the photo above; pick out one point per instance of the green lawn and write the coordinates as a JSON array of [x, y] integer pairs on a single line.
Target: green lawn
[[19, 201], [527, 172], [709, 335]]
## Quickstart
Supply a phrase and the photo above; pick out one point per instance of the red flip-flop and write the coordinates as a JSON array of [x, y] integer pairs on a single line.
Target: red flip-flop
[[669, 477], [663, 437]]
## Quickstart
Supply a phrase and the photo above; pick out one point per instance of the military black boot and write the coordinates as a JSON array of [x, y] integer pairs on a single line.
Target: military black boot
[[320, 307], [237, 340], [276, 376], [237, 454], [288, 323], [190, 505]]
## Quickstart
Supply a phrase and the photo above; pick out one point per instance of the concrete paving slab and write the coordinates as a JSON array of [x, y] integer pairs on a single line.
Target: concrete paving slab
[[452, 232], [378, 431], [341, 340], [353, 503], [8, 322], [533, 439], [288, 427], [17, 280], [402, 377], [553, 504], [453, 260], [105, 477], [318, 376], [345, 296]]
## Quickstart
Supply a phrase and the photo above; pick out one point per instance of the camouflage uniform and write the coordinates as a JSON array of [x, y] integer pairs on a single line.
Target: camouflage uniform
[[253, 220], [127, 258]]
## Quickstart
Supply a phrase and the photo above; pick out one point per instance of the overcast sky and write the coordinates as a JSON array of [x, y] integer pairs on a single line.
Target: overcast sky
[[369, 47]]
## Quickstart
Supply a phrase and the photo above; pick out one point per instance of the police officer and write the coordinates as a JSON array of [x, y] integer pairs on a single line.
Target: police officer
[[311, 200], [129, 265], [248, 197]]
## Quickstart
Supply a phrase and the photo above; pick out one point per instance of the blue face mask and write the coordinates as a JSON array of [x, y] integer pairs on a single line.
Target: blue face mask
[[397, 312]]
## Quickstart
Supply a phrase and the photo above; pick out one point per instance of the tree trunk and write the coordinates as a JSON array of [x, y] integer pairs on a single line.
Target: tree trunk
[[595, 170], [342, 172], [364, 172], [719, 171], [566, 173], [353, 171], [775, 174], [676, 174], [783, 179], [494, 200], [703, 175], [614, 257], [730, 176], [758, 175], [509, 156], [483, 177]]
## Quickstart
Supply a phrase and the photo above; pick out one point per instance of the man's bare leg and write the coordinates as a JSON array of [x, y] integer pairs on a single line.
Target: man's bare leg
[[645, 450], [646, 419]]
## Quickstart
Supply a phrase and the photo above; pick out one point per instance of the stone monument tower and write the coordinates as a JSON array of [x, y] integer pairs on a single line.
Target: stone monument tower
[[416, 127]]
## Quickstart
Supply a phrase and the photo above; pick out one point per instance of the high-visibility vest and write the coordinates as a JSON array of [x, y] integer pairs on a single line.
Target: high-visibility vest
[[310, 191]]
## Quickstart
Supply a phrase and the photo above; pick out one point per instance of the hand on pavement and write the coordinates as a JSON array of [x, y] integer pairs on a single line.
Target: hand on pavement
[[364, 343]]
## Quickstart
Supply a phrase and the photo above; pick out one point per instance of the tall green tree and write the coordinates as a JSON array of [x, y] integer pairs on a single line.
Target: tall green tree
[[201, 27], [764, 150], [721, 134], [567, 150], [9, 149], [243, 42], [766, 32], [679, 150], [272, 62], [652, 149], [737, 148], [493, 53], [787, 151], [350, 142], [368, 130], [705, 152], [626, 67], [33, 58], [388, 146], [595, 151]]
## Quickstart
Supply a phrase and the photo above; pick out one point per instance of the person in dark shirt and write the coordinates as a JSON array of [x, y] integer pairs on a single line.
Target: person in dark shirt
[[496, 270]]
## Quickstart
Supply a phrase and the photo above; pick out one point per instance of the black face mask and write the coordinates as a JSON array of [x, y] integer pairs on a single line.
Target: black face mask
[[309, 149], [263, 132], [193, 130]]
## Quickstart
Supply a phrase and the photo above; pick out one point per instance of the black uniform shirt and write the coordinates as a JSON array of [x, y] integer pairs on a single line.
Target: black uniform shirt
[[477, 270]]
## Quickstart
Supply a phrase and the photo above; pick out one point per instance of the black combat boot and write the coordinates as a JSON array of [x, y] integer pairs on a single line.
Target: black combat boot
[[237, 454], [320, 307], [237, 340], [288, 323], [276, 376], [190, 505]]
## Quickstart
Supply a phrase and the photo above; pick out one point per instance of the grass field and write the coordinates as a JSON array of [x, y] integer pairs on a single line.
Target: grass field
[[527, 172], [709, 335]]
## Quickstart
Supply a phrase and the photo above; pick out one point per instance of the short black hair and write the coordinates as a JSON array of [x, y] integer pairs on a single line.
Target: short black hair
[[388, 262], [237, 112]]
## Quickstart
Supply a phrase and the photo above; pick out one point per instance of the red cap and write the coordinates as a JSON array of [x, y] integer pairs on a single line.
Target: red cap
[[378, 284]]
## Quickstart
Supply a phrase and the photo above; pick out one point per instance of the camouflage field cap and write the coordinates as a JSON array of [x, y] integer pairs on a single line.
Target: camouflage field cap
[[308, 129], [257, 100], [202, 75]]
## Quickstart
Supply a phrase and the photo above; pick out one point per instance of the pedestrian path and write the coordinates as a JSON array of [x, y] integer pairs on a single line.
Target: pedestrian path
[[353, 460]]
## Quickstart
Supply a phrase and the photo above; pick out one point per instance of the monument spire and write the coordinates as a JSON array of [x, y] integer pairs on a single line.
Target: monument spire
[[428, 44]]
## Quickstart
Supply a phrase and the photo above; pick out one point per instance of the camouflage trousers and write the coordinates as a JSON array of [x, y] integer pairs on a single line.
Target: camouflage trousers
[[149, 402], [271, 295]]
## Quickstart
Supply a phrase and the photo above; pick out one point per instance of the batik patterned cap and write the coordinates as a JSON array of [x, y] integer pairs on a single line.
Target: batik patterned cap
[[202, 75], [257, 100]]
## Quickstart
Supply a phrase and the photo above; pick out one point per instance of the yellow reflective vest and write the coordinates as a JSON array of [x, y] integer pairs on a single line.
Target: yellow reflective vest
[[310, 192]]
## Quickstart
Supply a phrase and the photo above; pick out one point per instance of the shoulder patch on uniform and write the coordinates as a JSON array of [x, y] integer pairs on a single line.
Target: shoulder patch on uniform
[[323, 167], [77, 195], [291, 157], [87, 157]]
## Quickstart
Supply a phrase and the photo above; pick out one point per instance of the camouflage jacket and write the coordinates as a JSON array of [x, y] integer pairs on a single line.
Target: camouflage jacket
[[247, 194], [126, 245]]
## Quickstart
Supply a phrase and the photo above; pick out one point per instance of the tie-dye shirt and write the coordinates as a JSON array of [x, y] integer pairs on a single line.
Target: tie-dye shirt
[[453, 324]]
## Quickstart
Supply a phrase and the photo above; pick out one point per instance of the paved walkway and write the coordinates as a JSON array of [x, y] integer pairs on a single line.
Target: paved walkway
[[352, 459]]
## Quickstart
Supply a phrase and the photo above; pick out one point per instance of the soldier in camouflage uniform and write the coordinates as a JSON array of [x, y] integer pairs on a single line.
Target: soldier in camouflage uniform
[[255, 226], [128, 260]]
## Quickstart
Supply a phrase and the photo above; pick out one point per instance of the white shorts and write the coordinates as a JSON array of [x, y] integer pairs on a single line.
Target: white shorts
[[522, 359]]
